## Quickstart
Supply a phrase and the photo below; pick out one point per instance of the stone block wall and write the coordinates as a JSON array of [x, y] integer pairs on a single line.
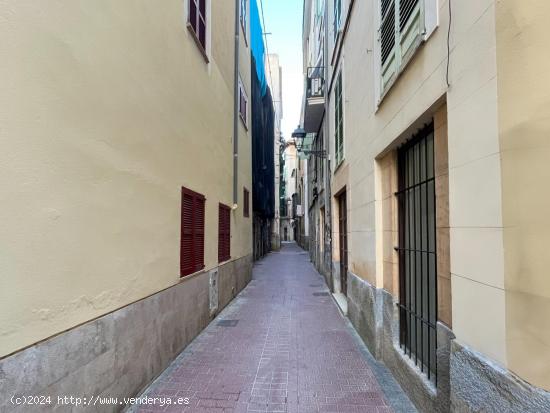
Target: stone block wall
[[119, 354]]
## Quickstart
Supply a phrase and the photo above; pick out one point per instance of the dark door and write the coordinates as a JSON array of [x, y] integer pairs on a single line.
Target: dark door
[[343, 229], [417, 251]]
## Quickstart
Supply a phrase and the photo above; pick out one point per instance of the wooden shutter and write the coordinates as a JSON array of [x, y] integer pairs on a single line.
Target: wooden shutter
[[198, 241], [411, 26], [339, 121], [192, 232], [224, 233], [401, 28], [388, 41], [187, 256], [337, 17]]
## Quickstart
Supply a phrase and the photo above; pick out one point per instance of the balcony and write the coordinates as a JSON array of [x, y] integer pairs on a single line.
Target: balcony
[[315, 99]]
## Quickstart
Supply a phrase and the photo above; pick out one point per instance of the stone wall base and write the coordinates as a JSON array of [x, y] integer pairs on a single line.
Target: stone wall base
[[375, 316], [479, 385], [467, 382], [119, 354]]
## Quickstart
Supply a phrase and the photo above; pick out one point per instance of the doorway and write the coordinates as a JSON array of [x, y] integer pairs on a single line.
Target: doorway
[[343, 238]]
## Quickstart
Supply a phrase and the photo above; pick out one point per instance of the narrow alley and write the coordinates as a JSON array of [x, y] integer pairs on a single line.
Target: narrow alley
[[274, 206], [281, 346]]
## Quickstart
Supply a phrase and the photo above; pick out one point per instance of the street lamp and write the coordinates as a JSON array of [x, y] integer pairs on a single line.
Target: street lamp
[[300, 135]]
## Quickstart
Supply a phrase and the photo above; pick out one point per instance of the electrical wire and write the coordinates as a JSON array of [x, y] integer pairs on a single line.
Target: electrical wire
[[449, 42]]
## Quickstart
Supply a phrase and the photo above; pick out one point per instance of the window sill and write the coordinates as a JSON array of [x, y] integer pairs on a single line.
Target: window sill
[[193, 274], [224, 260], [198, 42]]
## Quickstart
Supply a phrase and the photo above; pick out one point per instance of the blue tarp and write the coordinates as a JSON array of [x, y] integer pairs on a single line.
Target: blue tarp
[[257, 44]]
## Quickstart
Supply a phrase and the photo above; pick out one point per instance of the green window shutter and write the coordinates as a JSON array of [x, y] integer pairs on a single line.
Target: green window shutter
[[411, 27], [337, 16], [401, 31], [390, 63], [339, 122]]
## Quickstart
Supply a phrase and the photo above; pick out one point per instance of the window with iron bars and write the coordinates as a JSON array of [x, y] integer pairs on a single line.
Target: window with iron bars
[[417, 252]]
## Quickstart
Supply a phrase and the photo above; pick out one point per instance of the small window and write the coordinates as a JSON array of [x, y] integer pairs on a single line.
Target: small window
[[242, 17], [246, 203], [197, 23], [224, 233], [243, 104], [339, 122], [192, 232]]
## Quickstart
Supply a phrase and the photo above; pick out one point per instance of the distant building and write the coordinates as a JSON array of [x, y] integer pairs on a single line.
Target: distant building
[[288, 216], [274, 72]]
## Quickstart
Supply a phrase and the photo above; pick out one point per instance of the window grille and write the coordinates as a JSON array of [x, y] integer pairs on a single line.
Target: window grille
[[417, 251]]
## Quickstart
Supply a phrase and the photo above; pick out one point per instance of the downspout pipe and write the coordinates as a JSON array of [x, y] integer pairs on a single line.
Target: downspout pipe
[[236, 110]]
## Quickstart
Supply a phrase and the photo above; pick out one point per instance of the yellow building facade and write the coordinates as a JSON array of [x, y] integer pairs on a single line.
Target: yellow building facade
[[108, 109]]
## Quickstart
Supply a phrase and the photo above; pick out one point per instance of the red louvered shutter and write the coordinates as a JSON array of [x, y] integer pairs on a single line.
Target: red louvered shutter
[[224, 233], [192, 232], [199, 234], [186, 252]]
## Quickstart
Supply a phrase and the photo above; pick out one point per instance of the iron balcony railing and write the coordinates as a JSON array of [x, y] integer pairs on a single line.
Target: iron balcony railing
[[315, 82]]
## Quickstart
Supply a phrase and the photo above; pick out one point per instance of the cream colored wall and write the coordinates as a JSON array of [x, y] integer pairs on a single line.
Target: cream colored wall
[[291, 164], [107, 109], [524, 122], [473, 143]]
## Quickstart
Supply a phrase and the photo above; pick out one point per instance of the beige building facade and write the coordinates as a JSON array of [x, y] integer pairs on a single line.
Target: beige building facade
[[435, 118], [108, 109], [289, 181], [274, 71]]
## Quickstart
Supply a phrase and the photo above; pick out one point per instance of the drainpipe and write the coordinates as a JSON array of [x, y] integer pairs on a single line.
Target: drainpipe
[[236, 111]]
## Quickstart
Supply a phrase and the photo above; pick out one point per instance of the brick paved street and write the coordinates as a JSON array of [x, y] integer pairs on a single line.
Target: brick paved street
[[281, 346]]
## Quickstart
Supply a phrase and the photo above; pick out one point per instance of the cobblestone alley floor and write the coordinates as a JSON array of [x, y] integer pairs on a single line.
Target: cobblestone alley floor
[[282, 346]]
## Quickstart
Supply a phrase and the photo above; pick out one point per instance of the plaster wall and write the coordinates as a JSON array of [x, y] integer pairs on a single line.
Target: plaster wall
[[107, 109], [374, 127], [524, 121]]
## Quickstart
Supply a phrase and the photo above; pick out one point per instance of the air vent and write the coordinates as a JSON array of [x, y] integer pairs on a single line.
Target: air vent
[[227, 323]]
